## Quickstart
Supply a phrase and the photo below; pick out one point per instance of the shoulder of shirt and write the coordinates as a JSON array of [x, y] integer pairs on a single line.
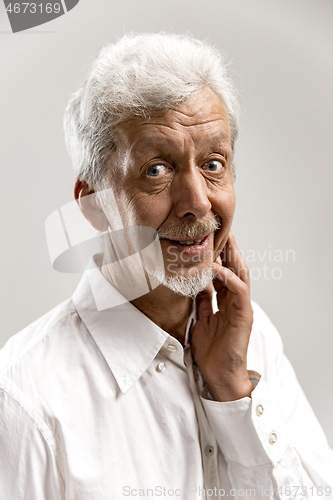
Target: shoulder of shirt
[[263, 325], [265, 346], [30, 337]]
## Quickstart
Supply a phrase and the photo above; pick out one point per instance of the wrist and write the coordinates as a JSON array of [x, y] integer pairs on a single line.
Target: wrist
[[231, 390]]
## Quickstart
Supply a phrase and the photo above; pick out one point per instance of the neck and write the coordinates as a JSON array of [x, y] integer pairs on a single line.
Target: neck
[[167, 309], [161, 305]]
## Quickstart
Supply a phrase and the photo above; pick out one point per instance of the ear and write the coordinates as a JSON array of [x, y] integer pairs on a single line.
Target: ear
[[86, 200]]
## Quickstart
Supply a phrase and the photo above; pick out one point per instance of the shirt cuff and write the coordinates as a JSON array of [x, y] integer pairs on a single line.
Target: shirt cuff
[[250, 430]]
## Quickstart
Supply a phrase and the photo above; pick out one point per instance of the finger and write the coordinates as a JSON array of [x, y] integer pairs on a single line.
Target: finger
[[232, 282], [233, 259], [219, 261], [204, 303]]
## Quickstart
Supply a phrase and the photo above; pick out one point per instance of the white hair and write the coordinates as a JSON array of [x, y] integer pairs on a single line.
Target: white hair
[[139, 75]]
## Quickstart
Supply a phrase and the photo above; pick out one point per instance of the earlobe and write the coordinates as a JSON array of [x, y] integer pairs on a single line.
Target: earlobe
[[86, 199]]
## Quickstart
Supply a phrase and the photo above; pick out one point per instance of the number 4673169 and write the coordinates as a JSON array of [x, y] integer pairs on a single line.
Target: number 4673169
[[32, 8]]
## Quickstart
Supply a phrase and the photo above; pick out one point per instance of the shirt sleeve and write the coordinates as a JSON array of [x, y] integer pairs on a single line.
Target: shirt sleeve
[[28, 468], [272, 442]]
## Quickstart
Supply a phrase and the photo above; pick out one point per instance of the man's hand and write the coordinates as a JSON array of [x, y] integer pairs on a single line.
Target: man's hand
[[219, 341]]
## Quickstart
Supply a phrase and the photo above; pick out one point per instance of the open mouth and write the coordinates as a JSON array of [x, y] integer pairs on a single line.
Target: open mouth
[[190, 242], [197, 244]]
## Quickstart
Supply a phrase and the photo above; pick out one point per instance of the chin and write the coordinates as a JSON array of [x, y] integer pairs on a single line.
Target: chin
[[189, 284]]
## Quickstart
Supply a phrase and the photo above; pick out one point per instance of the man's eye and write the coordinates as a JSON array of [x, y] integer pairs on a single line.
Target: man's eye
[[213, 166], [155, 170]]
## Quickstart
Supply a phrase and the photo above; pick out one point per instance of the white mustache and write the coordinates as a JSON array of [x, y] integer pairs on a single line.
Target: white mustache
[[190, 229]]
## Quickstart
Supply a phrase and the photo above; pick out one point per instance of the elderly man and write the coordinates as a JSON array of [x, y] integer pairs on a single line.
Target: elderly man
[[115, 395]]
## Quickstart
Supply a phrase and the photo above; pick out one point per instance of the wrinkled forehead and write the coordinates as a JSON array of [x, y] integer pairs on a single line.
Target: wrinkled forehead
[[158, 142], [202, 120]]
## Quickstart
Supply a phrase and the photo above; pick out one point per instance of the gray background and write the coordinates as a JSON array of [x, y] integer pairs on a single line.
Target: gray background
[[282, 60]]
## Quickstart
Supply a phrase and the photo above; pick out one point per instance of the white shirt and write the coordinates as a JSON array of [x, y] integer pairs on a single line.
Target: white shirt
[[105, 405]]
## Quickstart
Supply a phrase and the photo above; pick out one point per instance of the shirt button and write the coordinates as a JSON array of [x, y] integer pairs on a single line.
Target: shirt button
[[171, 348], [272, 438], [160, 367], [209, 450], [259, 410]]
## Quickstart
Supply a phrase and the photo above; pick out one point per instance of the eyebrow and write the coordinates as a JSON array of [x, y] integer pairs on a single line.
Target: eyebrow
[[220, 139]]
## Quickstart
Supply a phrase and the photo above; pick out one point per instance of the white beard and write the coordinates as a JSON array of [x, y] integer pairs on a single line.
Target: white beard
[[189, 286]]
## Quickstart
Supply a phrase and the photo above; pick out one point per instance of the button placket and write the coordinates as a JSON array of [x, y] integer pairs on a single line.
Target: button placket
[[174, 352]]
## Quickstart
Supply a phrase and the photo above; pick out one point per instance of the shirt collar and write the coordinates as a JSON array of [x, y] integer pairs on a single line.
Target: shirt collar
[[128, 340]]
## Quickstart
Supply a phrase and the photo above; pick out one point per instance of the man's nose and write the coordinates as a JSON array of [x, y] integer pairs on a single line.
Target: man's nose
[[190, 194]]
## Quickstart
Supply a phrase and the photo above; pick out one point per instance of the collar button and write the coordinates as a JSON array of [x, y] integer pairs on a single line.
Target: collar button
[[160, 367]]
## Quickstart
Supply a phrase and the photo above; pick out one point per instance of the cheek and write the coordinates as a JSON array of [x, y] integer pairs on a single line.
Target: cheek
[[151, 210], [224, 204]]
